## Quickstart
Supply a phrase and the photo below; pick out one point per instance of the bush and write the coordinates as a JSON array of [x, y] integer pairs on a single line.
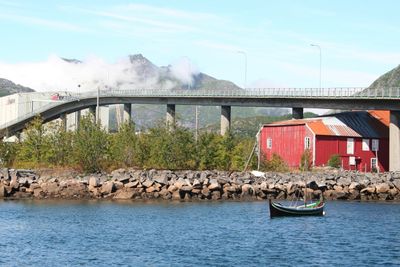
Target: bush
[[7, 153], [275, 164], [90, 145], [306, 160], [334, 161]]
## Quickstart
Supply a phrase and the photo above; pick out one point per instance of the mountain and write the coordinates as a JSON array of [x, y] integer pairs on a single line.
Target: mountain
[[389, 79], [7, 87], [164, 77], [384, 83]]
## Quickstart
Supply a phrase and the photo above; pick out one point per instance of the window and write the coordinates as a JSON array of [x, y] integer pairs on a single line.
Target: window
[[365, 145], [352, 161], [375, 144], [269, 143], [350, 145], [374, 164], [307, 143]]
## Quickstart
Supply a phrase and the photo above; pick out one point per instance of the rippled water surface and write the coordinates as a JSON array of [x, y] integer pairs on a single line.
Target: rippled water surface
[[50, 233]]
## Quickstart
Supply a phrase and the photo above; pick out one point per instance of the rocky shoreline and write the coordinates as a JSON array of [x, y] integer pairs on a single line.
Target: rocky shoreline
[[130, 184]]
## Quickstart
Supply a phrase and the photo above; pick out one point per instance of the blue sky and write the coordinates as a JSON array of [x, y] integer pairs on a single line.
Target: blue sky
[[359, 39]]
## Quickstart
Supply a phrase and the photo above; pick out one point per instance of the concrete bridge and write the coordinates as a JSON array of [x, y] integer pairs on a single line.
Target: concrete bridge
[[295, 98]]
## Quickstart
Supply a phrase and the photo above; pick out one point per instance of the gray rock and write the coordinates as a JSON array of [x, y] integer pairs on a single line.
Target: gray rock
[[107, 188], [94, 181], [124, 194], [147, 183], [161, 178], [382, 188], [186, 188], [214, 185]]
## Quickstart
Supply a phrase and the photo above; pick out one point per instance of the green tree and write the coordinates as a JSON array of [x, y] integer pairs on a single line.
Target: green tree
[[35, 145], [124, 147], [207, 151], [8, 151], [90, 145], [334, 161]]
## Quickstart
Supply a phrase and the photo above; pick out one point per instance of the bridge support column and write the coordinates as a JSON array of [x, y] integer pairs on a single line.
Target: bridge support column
[[170, 115], [63, 118], [394, 141], [225, 119], [297, 113], [77, 120], [127, 117]]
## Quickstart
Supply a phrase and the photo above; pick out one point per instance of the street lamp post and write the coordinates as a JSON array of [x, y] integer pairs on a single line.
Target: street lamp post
[[245, 67], [320, 64]]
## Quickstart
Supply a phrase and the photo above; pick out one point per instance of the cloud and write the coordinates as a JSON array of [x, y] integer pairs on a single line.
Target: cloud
[[184, 70], [56, 74]]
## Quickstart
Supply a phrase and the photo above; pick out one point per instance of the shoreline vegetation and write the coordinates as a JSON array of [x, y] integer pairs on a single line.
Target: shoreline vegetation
[[165, 163], [132, 184]]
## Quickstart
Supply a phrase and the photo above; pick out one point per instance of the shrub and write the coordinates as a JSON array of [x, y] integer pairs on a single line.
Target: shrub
[[306, 160], [275, 164], [334, 161]]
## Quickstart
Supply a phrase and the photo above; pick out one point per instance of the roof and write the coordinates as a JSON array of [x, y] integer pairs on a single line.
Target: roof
[[350, 124]]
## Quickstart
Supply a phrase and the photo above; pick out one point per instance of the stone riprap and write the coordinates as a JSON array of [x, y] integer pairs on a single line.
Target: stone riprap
[[200, 185]]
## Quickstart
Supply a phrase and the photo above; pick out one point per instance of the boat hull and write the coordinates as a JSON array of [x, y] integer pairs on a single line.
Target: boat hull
[[278, 210]]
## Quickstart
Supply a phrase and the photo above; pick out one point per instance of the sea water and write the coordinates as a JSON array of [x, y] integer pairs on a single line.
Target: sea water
[[101, 233]]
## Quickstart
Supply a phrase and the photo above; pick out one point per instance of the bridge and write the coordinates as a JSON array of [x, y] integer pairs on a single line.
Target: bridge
[[295, 98]]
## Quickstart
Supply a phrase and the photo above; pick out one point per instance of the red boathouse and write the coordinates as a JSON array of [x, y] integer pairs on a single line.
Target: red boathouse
[[360, 138]]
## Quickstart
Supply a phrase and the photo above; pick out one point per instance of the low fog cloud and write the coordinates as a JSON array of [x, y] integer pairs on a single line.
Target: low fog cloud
[[57, 74]]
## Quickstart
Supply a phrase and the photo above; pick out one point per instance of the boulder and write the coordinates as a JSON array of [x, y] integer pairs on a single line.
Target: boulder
[[94, 181], [132, 184], [181, 182], [382, 188], [368, 190], [3, 191], [124, 194], [197, 184], [396, 183], [186, 188], [107, 188], [214, 185], [206, 192], [148, 183], [50, 188], [161, 178], [215, 195], [247, 189], [343, 181]]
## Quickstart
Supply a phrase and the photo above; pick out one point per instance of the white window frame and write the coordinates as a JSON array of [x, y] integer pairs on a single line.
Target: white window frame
[[374, 165], [375, 145], [365, 145], [269, 143], [307, 142], [352, 161], [350, 146]]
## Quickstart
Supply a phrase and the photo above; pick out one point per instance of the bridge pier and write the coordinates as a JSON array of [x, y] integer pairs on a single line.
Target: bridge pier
[[170, 115], [225, 119], [297, 113], [394, 141], [63, 118], [127, 117], [77, 119]]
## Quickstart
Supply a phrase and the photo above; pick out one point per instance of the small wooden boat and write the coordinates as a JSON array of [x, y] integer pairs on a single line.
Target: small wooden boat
[[276, 209]]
